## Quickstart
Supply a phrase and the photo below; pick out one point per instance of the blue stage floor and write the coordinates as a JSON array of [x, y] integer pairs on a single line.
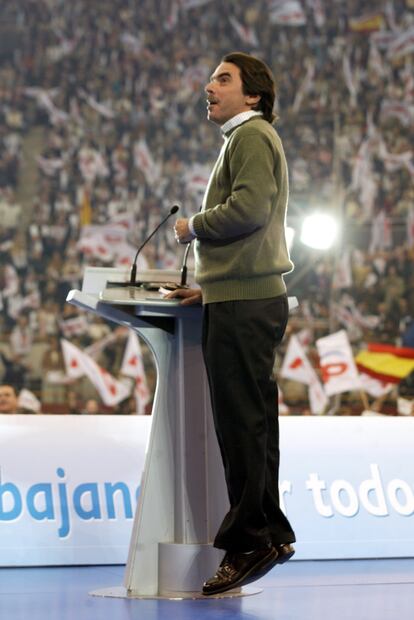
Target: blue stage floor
[[337, 590]]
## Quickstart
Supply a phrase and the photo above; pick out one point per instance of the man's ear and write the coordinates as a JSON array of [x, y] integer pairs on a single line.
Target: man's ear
[[252, 100]]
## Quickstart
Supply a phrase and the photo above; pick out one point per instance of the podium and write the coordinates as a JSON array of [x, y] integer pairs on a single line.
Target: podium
[[183, 493]]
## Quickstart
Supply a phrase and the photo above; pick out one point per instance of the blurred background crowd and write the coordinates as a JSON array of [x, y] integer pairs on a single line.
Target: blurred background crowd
[[102, 129]]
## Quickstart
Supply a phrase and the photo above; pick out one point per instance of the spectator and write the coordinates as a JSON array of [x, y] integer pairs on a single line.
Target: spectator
[[8, 399]]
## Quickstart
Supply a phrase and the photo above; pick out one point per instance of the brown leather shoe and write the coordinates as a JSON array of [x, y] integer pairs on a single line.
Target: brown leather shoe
[[239, 569], [284, 553]]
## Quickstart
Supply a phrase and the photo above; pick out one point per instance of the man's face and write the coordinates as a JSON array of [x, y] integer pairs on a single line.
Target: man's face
[[8, 399], [225, 94]]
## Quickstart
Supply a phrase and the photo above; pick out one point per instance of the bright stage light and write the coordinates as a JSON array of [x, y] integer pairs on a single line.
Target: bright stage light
[[319, 231]]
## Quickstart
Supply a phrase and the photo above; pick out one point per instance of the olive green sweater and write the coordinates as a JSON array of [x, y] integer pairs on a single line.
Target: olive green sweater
[[240, 250]]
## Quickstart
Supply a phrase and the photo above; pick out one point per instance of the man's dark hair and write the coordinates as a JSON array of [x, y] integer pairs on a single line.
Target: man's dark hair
[[257, 79]]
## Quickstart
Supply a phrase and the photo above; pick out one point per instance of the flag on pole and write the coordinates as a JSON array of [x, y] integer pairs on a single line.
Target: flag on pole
[[381, 232], [339, 372], [374, 387], [342, 277], [305, 86], [72, 357], [402, 45], [296, 366], [246, 33], [79, 363], [351, 79], [394, 108], [386, 362], [145, 162], [133, 366], [318, 12], [287, 13], [366, 23]]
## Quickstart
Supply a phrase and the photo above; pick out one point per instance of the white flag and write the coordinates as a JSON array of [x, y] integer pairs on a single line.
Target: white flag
[[351, 80], [318, 12], [73, 360], [144, 161], [402, 45], [133, 366], [27, 400], [317, 398], [339, 372], [79, 363], [401, 110], [287, 13], [381, 232], [297, 367], [246, 33], [343, 271], [305, 87], [374, 387], [102, 108]]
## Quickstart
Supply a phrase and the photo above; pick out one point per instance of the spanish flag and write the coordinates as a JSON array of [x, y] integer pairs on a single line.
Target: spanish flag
[[85, 215], [386, 362], [366, 23]]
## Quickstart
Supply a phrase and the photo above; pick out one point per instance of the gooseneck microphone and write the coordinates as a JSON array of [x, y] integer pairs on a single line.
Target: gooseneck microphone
[[133, 274], [183, 272]]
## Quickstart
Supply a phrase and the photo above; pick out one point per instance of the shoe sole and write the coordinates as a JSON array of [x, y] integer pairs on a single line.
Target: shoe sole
[[284, 558], [256, 572]]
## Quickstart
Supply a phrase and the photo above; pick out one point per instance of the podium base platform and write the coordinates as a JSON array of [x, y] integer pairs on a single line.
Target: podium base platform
[[122, 592]]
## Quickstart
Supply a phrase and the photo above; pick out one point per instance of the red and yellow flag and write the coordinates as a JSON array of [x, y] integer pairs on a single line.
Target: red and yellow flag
[[85, 216], [386, 362], [366, 23]]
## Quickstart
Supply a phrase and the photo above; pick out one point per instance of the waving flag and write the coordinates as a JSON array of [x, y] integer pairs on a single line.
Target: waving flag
[[381, 232], [339, 372], [402, 45], [246, 33], [73, 359], [366, 23], [287, 13], [318, 12], [79, 363], [144, 161], [386, 362], [297, 367], [133, 366]]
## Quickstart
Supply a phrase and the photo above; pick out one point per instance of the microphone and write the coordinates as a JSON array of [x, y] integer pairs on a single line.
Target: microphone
[[183, 272], [132, 282], [133, 273]]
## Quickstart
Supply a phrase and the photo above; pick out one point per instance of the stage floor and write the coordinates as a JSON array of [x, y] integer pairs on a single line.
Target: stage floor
[[343, 590]]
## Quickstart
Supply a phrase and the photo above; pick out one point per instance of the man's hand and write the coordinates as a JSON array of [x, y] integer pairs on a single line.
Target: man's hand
[[182, 231], [189, 296]]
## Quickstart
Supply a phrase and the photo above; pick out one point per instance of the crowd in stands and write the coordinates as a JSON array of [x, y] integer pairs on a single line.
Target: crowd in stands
[[102, 129]]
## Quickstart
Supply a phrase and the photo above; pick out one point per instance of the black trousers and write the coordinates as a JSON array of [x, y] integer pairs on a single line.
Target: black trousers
[[239, 343]]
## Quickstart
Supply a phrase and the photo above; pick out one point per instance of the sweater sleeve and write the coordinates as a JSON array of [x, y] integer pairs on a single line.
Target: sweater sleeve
[[253, 187]]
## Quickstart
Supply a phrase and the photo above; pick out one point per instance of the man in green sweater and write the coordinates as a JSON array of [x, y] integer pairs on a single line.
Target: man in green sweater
[[240, 258]]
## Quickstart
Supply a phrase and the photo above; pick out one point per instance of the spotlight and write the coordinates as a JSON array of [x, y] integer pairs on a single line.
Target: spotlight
[[319, 231]]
